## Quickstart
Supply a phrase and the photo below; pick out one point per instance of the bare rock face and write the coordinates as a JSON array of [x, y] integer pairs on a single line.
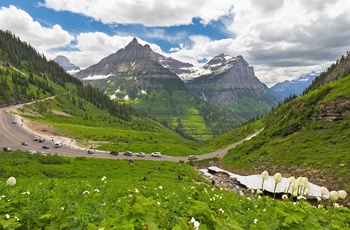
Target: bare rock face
[[231, 81], [332, 111]]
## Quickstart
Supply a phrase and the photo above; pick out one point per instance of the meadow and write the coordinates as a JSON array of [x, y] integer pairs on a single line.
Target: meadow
[[54, 192]]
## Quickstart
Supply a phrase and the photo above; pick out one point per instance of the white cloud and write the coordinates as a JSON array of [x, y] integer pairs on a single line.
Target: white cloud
[[22, 25], [146, 12]]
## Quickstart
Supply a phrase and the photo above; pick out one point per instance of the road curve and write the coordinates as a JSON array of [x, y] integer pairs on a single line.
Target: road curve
[[12, 134]]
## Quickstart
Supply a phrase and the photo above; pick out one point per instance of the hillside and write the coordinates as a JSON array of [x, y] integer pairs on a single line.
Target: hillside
[[308, 135]]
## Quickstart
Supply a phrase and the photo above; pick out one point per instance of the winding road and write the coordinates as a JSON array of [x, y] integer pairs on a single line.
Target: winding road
[[12, 134]]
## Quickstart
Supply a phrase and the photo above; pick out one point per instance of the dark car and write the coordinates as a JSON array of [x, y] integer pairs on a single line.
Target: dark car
[[128, 153], [113, 152]]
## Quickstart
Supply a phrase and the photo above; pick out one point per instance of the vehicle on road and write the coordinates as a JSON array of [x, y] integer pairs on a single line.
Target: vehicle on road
[[113, 152], [192, 157], [90, 151], [156, 154], [140, 154], [41, 139], [31, 151], [24, 143], [14, 122], [36, 138], [45, 147], [7, 149], [128, 153], [58, 144]]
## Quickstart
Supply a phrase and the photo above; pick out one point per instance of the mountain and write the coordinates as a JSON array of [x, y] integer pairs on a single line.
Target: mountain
[[64, 62], [138, 76], [296, 87], [231, 82]]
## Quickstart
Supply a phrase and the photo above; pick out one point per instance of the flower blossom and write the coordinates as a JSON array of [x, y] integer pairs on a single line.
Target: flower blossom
[[136, 190], [103, 178], [86, 192], [342, 194], [221, 210], [333, 196], [7, 216], [195, 223], [11, 181], [278, 178], [256, 221]]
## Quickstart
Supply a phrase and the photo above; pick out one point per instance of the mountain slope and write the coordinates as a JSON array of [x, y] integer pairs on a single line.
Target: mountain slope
[[233, 84], [136, 75], [308, 135], [294, 87]]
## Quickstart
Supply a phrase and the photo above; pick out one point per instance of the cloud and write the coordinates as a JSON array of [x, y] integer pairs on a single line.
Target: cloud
[[22, 25], [146, 12]]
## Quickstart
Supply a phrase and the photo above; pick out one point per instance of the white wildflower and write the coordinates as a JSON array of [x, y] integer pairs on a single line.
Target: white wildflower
[[256, 221], [221, 210], [62, 208], [136, 190], [278, 178], [284, 197], [103, 178], [11, 181], [86, 192], [96, 190], [16, 218], [195, 223], [7, 216], [158, 203], [160, 187], [333, 196], [342, 194]]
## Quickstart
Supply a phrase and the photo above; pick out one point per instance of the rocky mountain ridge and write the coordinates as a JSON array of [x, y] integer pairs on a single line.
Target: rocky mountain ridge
[[224, 80], [296, 86], [64, 62]]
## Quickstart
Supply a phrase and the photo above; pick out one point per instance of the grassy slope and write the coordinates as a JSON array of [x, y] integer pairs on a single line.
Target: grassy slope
[[293, 144], [53, 192], [88, 125]]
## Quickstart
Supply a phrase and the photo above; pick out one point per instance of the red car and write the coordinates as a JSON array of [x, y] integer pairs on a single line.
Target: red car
[[24, 143]]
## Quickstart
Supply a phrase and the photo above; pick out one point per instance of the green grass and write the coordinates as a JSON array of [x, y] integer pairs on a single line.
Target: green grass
[[90, 125], [85, 193]]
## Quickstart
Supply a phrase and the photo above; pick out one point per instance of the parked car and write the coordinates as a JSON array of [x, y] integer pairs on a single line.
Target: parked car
[[140, 154], [45, 147], [41, 139], [36, 138], [31, 151], [7, 149], [192, 157], [14, 122], [90, 151], [128, 153], [24, 143], [113, 152], [156, 154]]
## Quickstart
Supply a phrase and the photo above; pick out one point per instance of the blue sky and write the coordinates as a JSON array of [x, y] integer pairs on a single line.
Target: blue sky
[[281, 39]]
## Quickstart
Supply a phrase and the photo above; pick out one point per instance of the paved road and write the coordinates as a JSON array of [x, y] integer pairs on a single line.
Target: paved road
[[12, 135]]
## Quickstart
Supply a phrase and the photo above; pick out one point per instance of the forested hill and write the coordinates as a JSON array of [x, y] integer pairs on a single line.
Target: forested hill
[[26, 75]]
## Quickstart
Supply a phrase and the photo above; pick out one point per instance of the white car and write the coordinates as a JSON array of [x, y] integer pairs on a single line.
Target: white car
[[156, 154], [140, 154]]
